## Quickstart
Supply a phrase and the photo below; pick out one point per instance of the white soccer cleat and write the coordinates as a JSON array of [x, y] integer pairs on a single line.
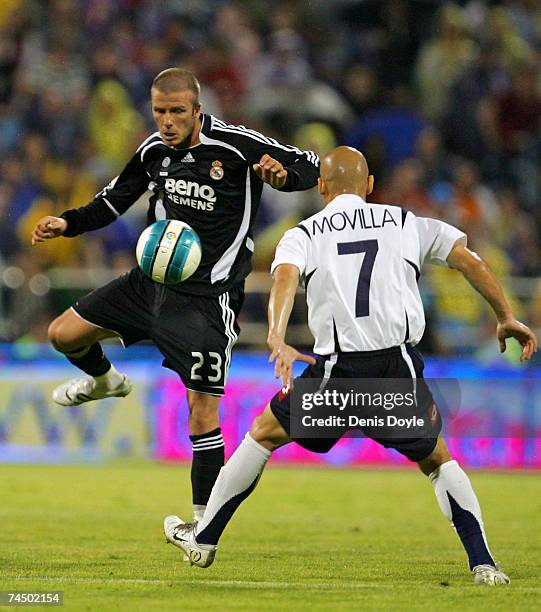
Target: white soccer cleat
[[182, 535], [80, 390], [489, 575]]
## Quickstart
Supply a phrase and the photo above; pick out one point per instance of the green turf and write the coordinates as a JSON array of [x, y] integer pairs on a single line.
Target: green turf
[[307, 539]]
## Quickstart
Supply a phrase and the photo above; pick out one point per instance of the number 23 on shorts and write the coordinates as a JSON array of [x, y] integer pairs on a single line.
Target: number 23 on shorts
[[212, 360]]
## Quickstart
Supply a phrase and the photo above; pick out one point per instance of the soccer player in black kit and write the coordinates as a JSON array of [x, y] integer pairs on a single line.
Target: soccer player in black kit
[[209, 175]]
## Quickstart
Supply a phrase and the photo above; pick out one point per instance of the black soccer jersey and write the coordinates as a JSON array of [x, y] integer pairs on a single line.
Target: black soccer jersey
[[211, 186]]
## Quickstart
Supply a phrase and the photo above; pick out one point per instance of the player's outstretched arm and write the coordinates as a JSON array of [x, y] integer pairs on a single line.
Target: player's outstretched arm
[[47, 228], [282, 297], [481, 278]]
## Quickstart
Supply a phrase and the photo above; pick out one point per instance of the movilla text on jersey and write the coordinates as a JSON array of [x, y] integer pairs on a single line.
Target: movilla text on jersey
[[211, 186], [360, 263]]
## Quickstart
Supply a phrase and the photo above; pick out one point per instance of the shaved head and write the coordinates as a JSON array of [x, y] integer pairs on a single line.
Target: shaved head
[[344, 170]]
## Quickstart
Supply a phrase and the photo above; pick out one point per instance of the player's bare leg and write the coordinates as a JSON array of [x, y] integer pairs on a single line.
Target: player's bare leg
[[207, 447], [79, 341], [459, 504], [237, 479]]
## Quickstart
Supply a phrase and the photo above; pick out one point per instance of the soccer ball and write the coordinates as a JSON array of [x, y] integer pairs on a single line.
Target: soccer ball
[[168, 251]]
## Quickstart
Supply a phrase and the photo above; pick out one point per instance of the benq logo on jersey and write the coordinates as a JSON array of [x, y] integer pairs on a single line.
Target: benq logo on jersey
[[188, 193]]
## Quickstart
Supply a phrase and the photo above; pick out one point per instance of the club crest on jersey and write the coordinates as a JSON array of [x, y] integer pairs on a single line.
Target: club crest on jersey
[[216, 170]]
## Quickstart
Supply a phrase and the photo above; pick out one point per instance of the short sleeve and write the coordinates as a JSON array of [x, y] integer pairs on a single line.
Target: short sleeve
[[293, 249], [437, 239]]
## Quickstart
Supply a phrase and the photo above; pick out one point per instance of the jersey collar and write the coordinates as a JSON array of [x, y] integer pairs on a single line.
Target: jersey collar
[[344, 198]]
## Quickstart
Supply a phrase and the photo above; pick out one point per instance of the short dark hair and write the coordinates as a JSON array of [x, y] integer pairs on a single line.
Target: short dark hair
[[177, 79]]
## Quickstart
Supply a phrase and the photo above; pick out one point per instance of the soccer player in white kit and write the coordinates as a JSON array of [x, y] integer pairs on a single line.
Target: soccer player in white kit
[[359, 263]]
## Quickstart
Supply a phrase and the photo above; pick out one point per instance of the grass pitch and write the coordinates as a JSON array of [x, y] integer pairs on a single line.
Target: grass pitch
[[307, 539]]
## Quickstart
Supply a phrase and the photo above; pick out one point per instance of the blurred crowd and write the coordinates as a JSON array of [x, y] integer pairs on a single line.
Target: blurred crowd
[[443, 98]]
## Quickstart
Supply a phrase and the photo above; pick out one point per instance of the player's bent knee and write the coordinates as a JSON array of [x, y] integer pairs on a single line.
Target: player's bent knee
[[59, 335], [267, 431], [68, 333]]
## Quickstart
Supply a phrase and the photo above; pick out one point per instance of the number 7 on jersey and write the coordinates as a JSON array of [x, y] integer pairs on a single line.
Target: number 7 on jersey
[[370, 249]]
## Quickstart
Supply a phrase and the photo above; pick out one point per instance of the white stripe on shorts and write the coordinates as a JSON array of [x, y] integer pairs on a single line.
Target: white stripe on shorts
[[329, 365], [406, 357], [228, 317]]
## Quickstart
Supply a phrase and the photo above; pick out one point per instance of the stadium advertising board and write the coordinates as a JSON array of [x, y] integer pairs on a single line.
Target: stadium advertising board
[[496, 423]]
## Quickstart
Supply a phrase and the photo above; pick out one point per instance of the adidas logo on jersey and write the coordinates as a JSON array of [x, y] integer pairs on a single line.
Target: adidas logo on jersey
[[188, 158]]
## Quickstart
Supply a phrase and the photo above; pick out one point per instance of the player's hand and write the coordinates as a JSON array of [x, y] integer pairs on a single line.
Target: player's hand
[[511, 328], [284, 357], [47, 228], [271, 171]]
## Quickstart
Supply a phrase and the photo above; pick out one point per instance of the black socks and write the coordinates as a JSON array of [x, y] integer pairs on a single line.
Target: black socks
[[208, 460], [90, 359]]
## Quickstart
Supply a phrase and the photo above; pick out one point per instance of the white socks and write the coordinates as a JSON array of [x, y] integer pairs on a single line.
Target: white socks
[[459, 504], [198, 512], [110, 380], [237, 479]]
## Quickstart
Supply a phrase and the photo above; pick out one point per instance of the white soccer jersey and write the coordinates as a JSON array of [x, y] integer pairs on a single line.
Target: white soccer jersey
[[360, 264]]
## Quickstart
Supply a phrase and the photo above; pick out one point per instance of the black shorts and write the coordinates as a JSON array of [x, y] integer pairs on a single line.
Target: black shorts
[[387, 363], [194, 333]]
